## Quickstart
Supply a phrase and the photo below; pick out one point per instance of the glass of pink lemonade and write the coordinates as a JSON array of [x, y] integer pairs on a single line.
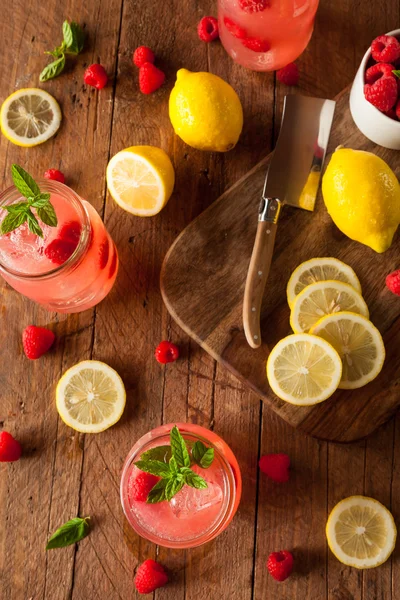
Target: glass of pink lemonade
[[73, 266], [265, 35], [193, 516]]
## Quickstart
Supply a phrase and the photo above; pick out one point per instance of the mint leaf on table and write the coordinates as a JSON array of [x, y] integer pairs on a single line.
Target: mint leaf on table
[[202, 455], [24, 182], [72, 531], [179, 449], [74, 37], [73, 41], [53, 69]]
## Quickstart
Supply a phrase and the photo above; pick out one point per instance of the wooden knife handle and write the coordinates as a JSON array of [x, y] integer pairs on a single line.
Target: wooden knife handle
[[257, 276]]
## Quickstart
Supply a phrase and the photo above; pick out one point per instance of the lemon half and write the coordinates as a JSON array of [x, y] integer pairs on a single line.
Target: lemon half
[[361, 532], [30, 117], [90, 397]]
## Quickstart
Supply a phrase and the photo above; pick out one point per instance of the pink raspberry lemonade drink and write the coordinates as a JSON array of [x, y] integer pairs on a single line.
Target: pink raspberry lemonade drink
[[180, 486], [67, 261], [265, 35]]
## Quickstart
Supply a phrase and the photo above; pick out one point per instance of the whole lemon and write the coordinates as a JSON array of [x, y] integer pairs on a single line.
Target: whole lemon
[[205, 111], [362, 195]]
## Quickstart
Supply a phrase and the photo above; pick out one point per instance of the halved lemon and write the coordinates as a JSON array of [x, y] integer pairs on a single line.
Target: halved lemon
[[303, 369], [361, 532], [324, 298], [90, 397], [358, 343], [30, 117], [320, 269], [141, 179]]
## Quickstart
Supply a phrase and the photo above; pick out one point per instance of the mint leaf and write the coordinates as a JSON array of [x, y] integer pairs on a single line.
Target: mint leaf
[[173, 465], [196, 481], [17, 208], [155, 467], [72, 531], [162, 453], [47, 214], [396, 73], [13, 221], [33, 224], [24, 182], [76, 38], [157, 493], [179, 449], [174, 485], [202, 455], [67, 34], [53, 69]]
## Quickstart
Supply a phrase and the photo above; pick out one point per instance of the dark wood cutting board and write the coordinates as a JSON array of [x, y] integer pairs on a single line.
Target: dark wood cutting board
[[203, 279]]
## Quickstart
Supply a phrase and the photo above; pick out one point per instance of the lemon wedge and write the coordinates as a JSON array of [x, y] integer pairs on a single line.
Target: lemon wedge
[[320, 269], [361, 532], [359, 344], [90, 397], [30, 117], [141, 179], [303, 369], [324, 298]]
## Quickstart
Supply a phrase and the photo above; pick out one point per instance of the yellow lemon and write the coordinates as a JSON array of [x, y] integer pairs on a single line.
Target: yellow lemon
[[362, 195], [205, 111]]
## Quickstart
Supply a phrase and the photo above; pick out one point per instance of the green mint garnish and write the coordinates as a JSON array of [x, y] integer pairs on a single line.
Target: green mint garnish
[[72, 531], [396, 73], [72, 43], [21, 212], [172, 463]]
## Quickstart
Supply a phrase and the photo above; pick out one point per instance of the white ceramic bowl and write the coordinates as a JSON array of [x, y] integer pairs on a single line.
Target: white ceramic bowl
[[370, 121]]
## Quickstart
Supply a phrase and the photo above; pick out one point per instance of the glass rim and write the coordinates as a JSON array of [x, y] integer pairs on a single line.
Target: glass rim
[[66, 192], [223, 517]]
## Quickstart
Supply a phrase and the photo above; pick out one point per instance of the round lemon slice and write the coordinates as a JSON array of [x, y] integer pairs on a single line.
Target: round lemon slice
[[141, 179], [358, 343], [361, 532], [324, 298], [90, 397], [30, 117], [320, 269], [303, 369]]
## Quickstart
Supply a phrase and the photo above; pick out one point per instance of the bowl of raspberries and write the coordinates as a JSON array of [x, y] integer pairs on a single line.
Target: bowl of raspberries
[[375, 94]]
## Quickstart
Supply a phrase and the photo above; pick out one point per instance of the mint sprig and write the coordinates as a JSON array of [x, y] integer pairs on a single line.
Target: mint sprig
[[396, 72], [73, 41], [21, 212], [72, 531], [172, 463]]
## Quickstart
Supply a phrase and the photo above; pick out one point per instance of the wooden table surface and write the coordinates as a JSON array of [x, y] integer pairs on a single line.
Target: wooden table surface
[[62, 473]]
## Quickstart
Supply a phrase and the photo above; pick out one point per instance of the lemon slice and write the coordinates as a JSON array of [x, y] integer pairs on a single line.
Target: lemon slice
[[320, 269], [361, 532], [141, 179], [303, 369], [359, 344], [324, 298], [30, 117], [90, 397]]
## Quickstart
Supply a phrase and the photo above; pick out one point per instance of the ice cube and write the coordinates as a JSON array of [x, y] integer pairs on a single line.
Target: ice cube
[[189, 500]]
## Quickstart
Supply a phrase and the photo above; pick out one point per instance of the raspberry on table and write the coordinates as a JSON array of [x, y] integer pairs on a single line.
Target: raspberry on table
[[166, 352], [382, 94], [142, 486], [142, 55], [393, 282], [253, 6], [10, 448], [256, 44], [385, 48], [37, 341], [275, 466], [55, 175], [280, 565], [150, 78], [150, 576], [207, 29], [96, 76], [288, 75], [377, 71], [234, 28]]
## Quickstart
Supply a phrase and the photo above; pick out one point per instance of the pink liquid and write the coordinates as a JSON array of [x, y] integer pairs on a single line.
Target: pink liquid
[[193, 516], [87, 275], [285, 26]]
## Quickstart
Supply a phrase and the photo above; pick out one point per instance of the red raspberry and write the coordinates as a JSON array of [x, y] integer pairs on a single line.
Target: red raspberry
[[166, 352], [58, 251], [207, 29], [140, 487], [256, 44], [397, 110], [71, 231], [150, 576], [142, 55], [10, 449], [377, 71], [280, 565], [275, 466], [253, 6], [150, 78], [55, 175], [385, 48], [104, 252], [36, 341], [96, 76], [382, 94], [289, 75], [234, 29], [393, 282], [114, 263]]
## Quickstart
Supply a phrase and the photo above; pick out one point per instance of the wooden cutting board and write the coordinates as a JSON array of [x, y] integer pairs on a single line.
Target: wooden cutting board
[[203, 279]]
